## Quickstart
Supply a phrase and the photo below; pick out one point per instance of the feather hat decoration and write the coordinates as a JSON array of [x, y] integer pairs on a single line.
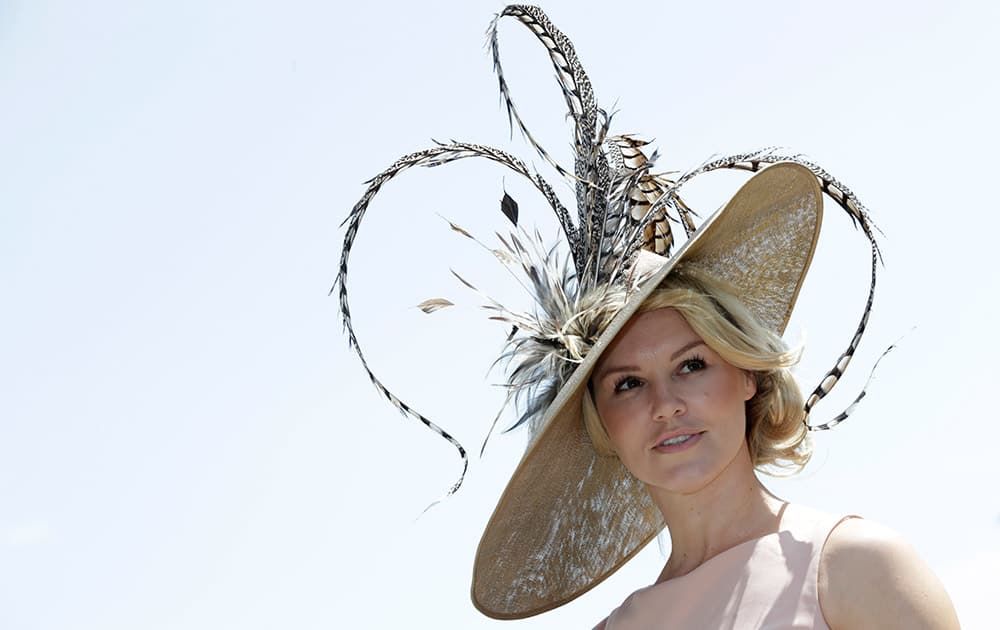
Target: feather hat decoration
[[622, 207]]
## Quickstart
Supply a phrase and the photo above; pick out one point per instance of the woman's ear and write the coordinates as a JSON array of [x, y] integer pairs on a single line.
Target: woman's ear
[[750, 385]]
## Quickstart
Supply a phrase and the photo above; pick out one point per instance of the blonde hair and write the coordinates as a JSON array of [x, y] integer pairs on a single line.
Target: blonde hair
[[776, 436]]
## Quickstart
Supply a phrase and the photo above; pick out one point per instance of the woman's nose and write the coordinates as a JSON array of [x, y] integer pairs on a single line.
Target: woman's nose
[[667, 403]]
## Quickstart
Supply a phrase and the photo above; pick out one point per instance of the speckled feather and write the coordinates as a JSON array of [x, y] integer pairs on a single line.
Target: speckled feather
[[622, 207]]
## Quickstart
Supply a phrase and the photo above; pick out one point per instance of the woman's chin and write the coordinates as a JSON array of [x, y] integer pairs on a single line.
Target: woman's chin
[[694, 477], [683, 483]]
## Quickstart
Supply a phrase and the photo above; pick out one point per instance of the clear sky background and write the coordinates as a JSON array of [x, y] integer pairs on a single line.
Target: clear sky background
[[186, 440]]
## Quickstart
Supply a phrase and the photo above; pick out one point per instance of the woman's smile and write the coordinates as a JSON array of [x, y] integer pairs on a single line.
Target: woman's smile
[[678, 442]]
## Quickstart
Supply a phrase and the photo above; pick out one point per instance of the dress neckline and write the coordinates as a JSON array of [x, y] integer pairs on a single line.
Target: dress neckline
[[782, 526]]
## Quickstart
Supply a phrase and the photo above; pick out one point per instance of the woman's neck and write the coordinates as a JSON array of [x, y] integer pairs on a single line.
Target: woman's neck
[[733, 508]]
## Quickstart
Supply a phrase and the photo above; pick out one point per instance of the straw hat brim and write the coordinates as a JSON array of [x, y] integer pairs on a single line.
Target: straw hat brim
[[569, 518]]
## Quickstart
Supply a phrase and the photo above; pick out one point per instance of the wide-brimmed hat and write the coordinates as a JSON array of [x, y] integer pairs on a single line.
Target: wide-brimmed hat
[[569, 517]]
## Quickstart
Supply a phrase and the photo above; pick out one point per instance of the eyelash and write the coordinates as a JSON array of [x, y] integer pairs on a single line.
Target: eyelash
[[686, 368], [695, 359], [621, 381]]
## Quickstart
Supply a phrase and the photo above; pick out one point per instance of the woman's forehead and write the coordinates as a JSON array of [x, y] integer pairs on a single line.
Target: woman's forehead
[[655, 332]]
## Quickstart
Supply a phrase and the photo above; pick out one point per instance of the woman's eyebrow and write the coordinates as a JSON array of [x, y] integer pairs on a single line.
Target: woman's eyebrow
[[612, 370], [632, 368], [686, 347]]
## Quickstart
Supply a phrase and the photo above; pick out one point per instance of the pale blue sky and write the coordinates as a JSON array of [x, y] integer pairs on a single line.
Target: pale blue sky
[[186, 441]]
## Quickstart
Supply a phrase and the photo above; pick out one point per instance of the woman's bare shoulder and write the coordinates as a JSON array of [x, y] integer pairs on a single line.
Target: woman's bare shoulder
[[869, 577]]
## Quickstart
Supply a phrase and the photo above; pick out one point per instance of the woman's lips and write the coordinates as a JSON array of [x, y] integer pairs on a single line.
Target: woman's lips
[[678, 443]]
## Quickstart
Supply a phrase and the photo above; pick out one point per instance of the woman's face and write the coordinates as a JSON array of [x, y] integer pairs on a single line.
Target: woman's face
[[674, 410]]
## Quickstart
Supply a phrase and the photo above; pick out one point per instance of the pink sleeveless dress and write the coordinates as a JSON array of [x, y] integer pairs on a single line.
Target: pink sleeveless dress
[[770, 582]]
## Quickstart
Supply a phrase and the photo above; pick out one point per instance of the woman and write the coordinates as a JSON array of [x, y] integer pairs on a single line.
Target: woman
[[692, 395], [648, 413], [685, 391]]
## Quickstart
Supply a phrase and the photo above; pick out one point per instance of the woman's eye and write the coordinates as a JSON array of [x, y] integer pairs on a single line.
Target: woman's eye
[[692, 365], [627, 383]]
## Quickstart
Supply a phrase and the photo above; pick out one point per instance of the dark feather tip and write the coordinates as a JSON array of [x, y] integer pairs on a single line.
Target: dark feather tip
[[509, 208]]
